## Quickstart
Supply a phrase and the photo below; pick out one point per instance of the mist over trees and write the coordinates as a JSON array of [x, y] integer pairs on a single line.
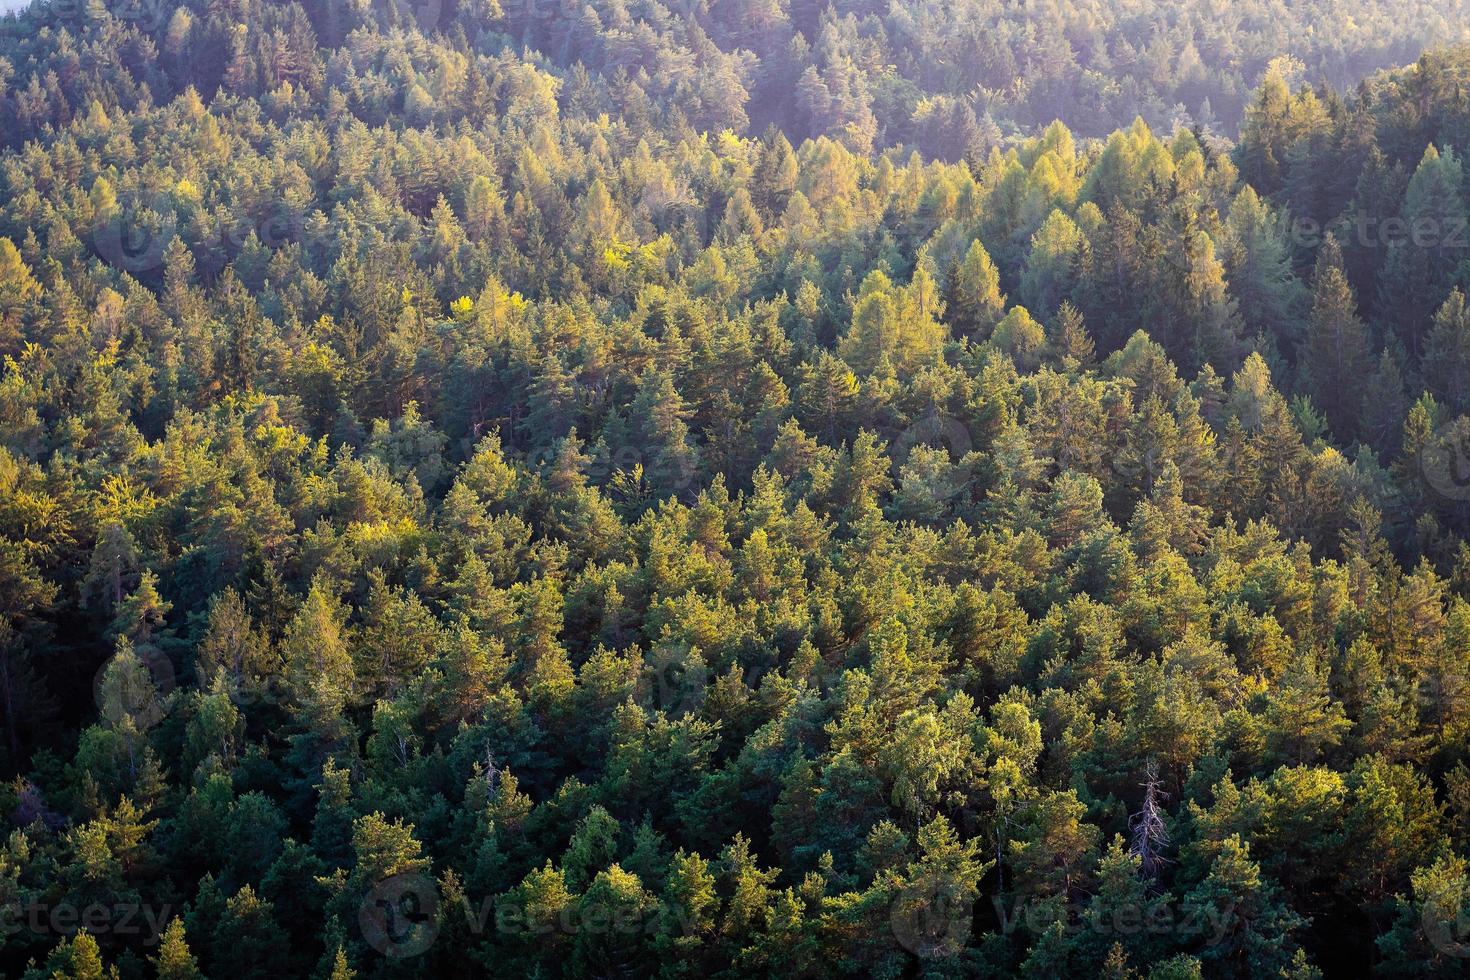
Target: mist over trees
[[949, 77], [737, 489]]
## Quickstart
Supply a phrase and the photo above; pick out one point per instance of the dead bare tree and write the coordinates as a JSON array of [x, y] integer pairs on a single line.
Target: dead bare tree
[[1150, 834]]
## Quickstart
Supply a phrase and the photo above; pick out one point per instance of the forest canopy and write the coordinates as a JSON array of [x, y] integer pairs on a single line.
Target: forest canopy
[[734, 489], [950, 77]]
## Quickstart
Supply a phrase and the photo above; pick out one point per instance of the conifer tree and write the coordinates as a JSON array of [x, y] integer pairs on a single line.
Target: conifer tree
[[1419, 268], [1447, 355], [174, 961], [973, 300], [1336, 353]]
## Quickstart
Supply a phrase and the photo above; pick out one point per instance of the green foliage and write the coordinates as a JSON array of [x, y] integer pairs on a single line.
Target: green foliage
[[468, 506]]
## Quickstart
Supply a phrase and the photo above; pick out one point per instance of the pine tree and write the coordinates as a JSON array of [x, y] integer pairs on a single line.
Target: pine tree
[[1258, 267], [775, 174], [114, 563], [541, 658], [128, 696], [1053, 264], [341, 970], [233, 650], [1420, 268], [973, 300], [826, 398], [600, 223], [875, 329], [81, 959], [1114, 289], [1021, 337], [1070, 342], [592, 849], [1426, 938], [174, 961], [141, 612], [1385, 406], [740, 220], [660, 425], [1265, 134], [1447, 355], [19, 292], [1247, 913], [484, 209], [691, 903], [1199, 319], [319, 669], [614, 895], [1335, 355]]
